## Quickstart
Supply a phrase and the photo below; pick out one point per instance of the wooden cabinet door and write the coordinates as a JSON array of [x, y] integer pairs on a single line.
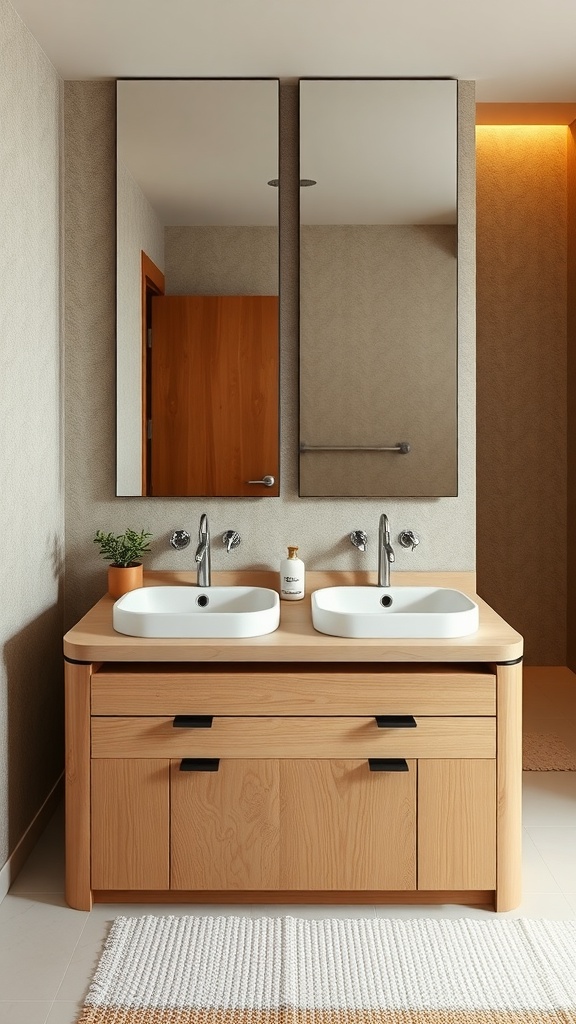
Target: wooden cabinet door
[[130, 823], [343, 826], [225, 825], [457, 824], [214, 395]]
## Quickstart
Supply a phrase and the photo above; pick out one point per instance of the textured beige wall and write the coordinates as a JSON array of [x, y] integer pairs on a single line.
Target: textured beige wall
[[521, 366], [571, 539], [378, 358], [32, 501], [138, 230], [319, 526], [221, 260]]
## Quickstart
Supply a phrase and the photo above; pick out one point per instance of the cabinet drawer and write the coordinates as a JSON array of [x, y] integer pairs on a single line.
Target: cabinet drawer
[[294, 690], [293, 738]]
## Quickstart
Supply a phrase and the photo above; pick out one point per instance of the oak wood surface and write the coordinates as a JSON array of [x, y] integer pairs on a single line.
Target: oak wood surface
[[346, 827], [77, 790], [293, 689], [226, 826], [474, 898], [509, 787], [130, 824], [293, 737], [456, 824], [94, 639]]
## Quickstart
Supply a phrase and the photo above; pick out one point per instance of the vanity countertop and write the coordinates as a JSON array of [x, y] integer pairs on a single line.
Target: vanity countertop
[[93, 638]]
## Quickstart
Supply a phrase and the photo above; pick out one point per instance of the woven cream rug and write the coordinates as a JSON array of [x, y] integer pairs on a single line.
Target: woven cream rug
[[235, 970], [546, 752]]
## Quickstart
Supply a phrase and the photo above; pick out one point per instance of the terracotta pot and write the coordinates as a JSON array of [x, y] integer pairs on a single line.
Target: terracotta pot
[[121, 580]]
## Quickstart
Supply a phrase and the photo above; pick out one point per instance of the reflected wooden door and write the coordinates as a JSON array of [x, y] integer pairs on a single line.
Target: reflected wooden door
[[214, 395]]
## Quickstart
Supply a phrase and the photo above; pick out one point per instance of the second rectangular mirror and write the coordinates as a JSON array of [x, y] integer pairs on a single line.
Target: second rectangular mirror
[[378, 288], [197, 288]]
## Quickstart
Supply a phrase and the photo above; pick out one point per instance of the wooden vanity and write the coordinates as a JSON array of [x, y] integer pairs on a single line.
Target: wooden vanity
[[294, 767]]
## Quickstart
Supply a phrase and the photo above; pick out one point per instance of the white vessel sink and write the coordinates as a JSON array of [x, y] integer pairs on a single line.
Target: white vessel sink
[[402, 612], [208, 612]]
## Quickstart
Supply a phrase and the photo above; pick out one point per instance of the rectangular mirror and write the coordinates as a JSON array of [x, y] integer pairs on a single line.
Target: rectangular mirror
[[197, 365], [378, 288]]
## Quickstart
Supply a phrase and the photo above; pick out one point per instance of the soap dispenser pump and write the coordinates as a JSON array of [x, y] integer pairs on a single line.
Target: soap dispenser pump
[[292, 576]]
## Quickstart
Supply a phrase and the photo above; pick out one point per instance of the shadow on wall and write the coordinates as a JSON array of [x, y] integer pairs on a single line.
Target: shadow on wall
[[33, 667]]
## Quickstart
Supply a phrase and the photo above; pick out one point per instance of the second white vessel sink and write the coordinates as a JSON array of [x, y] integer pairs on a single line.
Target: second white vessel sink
[[394, 612], [202, 612]]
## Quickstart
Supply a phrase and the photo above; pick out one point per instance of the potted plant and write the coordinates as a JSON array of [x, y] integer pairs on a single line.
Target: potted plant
[[124, 551]]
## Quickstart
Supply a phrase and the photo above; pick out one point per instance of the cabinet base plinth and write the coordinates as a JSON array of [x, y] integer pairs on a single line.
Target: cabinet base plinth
[[474, 898]]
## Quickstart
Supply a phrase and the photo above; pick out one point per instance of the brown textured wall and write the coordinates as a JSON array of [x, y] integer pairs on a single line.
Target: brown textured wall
[[571, 561], [521, 375]]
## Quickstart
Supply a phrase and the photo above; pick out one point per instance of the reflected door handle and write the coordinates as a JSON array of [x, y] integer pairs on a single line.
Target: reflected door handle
[[268, 481]]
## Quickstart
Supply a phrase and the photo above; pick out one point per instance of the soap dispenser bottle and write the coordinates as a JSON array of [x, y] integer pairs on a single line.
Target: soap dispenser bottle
[[292, 577]]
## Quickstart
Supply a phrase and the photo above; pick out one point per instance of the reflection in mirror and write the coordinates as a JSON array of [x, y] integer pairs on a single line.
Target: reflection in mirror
[[378, 276], [197, 287]]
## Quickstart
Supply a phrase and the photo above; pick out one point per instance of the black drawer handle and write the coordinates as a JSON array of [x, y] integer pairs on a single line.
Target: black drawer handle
[[388, 764], [199, 764], [395, 721], [193, 721]]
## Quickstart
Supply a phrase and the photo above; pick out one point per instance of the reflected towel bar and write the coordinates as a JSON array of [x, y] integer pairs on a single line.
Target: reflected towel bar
[[403, 447]]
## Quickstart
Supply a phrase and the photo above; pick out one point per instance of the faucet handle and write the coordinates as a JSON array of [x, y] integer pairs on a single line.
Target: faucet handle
[[180, 539], [359, 539], [409, 539], [231, 539]]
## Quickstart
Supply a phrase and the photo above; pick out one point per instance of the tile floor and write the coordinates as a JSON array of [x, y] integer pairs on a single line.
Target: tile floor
[[48, 952]]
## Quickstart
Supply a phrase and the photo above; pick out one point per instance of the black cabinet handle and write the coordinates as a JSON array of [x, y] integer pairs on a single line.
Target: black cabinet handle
[[395, 721], [388, 764], [193, 721], [199, 764]]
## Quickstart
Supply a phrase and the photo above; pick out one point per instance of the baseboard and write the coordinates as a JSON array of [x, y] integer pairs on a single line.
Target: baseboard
[[26, 844]]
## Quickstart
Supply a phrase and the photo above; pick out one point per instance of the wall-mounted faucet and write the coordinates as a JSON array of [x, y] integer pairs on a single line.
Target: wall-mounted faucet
[[385, 552], [359, 539], [231, 539], [202, 556]]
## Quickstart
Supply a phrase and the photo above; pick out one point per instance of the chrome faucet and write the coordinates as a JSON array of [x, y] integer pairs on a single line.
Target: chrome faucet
[[202, 556], [385, 552]]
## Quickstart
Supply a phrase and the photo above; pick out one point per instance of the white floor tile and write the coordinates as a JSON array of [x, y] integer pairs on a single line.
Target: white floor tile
[[557, 847], [44, 869], [25, 1012], [37, 941], [548, 798], [536, 875], [64, 1012]]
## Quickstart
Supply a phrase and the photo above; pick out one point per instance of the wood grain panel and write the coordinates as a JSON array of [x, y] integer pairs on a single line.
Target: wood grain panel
[[215, 373], [293, 737], [456, 824], [338, 897], [345, 827], [293, 690], [509, 788], [225, 826], [77, 792], [130, 824]]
